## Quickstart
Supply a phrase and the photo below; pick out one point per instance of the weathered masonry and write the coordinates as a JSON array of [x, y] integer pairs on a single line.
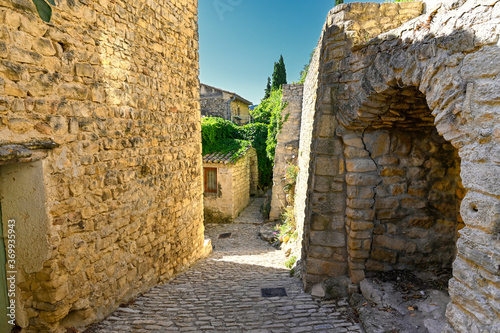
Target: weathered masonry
[[100, 153], [287, 147], [228, 184], [400, 149], [215, 102]]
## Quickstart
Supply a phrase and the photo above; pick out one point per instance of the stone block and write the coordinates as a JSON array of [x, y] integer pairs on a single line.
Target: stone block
[[326, 166], [387, 160], [360, 203], [353, 152], [401, 145], [384, 255], [386, 214], [328, 238], [362, 179], [321, 252], [365, 234], [319, 222], [392, 180], [44, 47], [360, 165], [377, 143], [412, 203], [386, 203], [83, 69], [392, 171], [353, 140], [354, 244], [360, 214], [324, 267], [481, 177], [327, 126], [358, 254], [481, 211], [398, 189], [360, 225], [393, 243], [360, 192], [357, 276]]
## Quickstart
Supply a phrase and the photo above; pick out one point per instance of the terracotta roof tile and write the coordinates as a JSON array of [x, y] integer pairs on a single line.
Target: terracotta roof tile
[[224, 158]]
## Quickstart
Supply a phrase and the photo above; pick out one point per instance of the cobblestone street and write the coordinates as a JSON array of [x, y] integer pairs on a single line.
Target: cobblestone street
[[223, 293]]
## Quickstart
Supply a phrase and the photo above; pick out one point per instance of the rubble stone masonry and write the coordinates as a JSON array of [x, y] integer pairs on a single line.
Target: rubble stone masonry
[[399, 150], [99, 111]]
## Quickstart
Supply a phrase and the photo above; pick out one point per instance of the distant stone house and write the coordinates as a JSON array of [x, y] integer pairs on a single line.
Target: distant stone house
[[228, 184], [216, 102]]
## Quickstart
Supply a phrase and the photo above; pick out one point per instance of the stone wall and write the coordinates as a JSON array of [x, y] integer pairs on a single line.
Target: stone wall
[[321, 189], [287, 147], [403, 198], [215, 106], [235, 183], [368, 93], [240, 112], [106, 98]]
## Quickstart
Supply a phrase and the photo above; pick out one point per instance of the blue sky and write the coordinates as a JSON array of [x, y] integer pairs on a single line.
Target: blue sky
[[241, 39]]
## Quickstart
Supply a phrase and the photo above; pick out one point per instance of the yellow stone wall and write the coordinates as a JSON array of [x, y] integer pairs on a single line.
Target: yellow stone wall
[[115, 85], [234, 183], [238, 108]]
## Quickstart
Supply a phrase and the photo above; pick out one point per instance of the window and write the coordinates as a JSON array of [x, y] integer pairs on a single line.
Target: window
[[210, 179]]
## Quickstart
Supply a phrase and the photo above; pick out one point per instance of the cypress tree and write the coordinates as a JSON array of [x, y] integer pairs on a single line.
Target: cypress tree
[[267, 92], [279, 74]]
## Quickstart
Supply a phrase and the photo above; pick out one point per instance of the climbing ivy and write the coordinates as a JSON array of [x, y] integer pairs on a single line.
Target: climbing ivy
[[220, 135], [256, 133]]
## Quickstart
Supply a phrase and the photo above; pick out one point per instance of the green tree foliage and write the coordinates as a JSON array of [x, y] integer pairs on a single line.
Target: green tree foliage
[[220, 135], [279, 74], [276, 121], [305, 70], [256, 133], [338, 2], [267, 91], [43, 8]]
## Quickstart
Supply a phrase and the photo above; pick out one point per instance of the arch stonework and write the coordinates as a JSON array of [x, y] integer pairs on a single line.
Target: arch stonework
[[371, 89]]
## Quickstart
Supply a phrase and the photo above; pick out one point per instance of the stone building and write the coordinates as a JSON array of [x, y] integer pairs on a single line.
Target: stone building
[[220, 103], [399, 150], [228, 184], [100, 154]]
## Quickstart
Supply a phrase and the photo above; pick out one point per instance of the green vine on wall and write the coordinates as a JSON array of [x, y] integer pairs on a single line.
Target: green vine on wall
[[220, 135]]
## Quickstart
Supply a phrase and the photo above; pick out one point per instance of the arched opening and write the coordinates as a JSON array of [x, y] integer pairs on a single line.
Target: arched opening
[[403, 188]]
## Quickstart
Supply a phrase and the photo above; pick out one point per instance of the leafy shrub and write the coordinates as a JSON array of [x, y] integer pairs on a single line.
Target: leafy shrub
[[256, 133], [220, 135], [290, 262]]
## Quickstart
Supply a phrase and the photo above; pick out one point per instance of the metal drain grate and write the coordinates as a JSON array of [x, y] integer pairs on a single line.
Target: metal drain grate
[[226, 235], [273, 292]]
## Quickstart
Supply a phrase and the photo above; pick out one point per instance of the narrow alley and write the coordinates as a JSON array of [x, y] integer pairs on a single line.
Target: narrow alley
[[225, 292]]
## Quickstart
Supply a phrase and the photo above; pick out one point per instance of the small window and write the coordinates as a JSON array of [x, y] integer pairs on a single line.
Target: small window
[[210, 178]]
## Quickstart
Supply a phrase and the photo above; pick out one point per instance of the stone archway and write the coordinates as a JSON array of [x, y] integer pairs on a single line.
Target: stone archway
[[435, 77]]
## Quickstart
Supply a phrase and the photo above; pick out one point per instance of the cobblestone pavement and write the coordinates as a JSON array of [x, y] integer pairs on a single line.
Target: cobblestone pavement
[[223, 294]]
